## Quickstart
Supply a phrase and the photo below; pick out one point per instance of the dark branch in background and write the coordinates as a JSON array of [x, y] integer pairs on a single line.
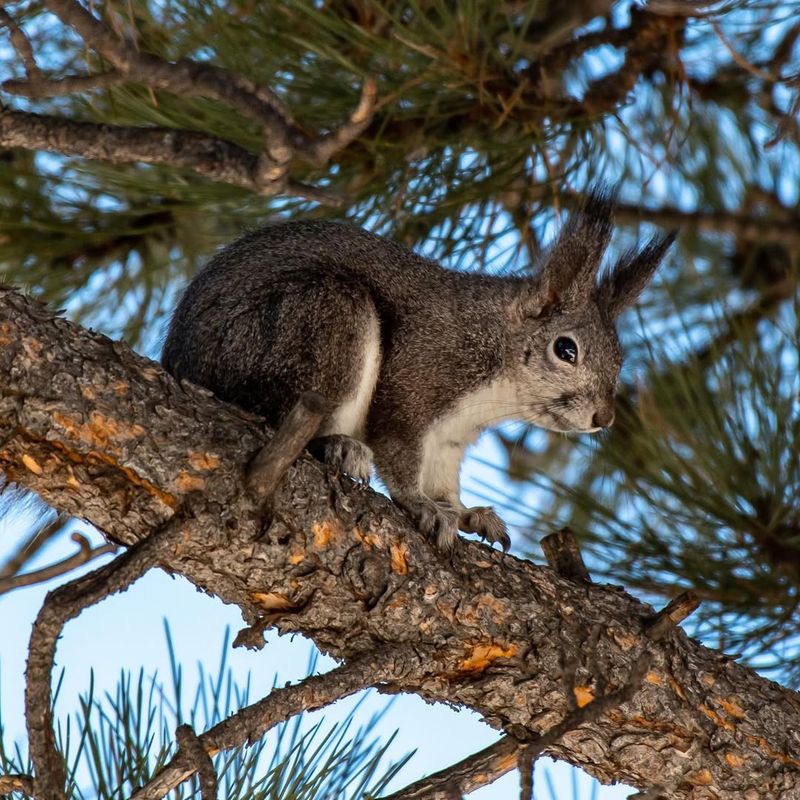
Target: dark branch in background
[[85, 554], [207, 156], [265, 173], [60, 606], [57, 87], [22, 45], [533, 99]]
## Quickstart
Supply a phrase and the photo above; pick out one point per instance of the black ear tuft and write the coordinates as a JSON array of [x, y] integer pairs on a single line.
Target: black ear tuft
[[570, 268], [620, 287]]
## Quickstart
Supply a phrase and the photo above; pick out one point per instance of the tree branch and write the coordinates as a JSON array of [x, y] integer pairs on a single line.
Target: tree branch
[[126, 446], [472, 773], [250, 723], [16, 783], [212, 158], [57, 87], [60, 606], [85, 554], [32, 545]]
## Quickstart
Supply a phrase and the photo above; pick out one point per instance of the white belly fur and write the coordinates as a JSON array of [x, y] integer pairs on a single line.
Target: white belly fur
[[351, 416], [444, 443]]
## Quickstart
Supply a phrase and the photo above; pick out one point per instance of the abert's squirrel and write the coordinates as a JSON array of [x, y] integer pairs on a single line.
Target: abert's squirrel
[[416, 359]]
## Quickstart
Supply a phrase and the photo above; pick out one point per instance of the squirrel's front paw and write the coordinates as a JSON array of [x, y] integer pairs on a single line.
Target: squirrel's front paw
[[438, 522], [345, 454], [485, 521]]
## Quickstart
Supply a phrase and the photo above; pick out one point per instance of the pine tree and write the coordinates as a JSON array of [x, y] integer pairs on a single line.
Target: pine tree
[[140, 136]]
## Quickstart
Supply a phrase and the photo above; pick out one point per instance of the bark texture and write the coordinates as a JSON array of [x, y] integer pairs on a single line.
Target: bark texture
[[106, 435]]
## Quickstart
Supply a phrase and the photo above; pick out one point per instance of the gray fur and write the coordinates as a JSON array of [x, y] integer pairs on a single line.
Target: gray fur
[[295, 306]]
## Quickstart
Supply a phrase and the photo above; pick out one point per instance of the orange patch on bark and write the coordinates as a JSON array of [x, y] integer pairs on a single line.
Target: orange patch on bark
[[482, 654], [702, 777], [625, 640], [654, 678], [33, 347], [186, 482], [497, 607], [31, 464], [323, 532], [677, 688], [100, 431], [716, 718], [271, 601], [399, 553], [369, 540], [732, 707], [96, 457], [203, 461], [120, 388], [583, 695], [7, 331], [733, 760]]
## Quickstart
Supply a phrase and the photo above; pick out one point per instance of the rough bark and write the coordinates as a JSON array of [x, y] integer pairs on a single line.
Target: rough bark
[[106, 435]]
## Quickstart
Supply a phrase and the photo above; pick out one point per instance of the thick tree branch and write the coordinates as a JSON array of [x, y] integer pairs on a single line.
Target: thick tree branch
[[99, 431]]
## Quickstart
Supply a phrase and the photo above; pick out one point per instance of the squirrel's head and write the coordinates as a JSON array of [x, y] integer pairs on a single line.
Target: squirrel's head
[[564, 353]]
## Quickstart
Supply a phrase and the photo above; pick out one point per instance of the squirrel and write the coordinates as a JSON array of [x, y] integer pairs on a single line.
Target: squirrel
[[415, 359]]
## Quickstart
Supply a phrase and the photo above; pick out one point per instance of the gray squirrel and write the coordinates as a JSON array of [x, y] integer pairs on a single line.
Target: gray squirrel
[[415, 359]]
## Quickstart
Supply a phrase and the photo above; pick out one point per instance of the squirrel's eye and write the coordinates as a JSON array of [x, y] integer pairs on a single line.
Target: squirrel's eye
[[566, 349]]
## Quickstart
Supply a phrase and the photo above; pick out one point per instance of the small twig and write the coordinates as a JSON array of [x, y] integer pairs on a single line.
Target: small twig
[[739, 59], [250, 723], [322, 149], [85, 554], [190, 744], [564, 556], [60, 606], [671, 615], [16, 783], [32, 545], [22, 45], [283, 449], [472, 773]]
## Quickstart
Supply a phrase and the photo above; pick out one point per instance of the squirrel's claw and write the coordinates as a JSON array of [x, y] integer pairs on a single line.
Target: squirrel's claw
[[344, 454], [485, 521], [437, 521]]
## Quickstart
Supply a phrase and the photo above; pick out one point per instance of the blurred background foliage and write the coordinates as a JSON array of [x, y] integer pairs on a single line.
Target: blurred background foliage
[[493, 119]]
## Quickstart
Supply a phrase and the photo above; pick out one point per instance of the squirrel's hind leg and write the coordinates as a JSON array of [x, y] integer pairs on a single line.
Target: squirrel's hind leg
[[340, 445]]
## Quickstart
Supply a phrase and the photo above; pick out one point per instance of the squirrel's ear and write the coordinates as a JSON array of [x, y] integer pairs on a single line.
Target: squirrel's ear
[[570, 268], [620, 287]]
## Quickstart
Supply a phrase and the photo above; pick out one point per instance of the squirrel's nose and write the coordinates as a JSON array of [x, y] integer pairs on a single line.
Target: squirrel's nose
[[603, 419]]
